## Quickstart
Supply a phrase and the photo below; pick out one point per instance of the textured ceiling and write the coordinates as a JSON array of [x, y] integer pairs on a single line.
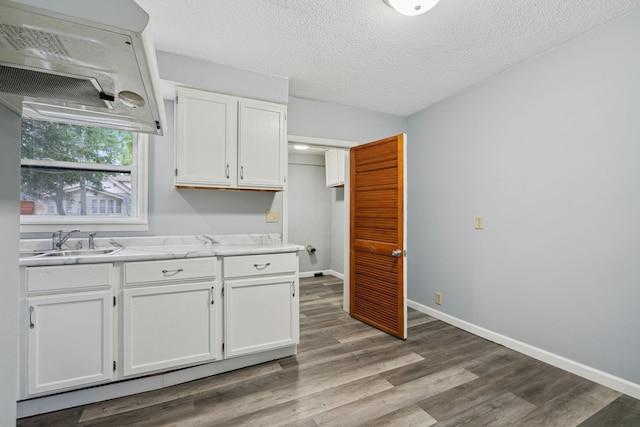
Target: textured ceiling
[[364, 54]]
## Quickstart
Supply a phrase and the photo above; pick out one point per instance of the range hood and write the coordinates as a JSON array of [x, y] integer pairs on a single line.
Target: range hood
[[83, 62]]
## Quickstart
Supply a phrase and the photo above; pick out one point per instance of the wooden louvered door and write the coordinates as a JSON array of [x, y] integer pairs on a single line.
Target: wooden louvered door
[[377, 249]]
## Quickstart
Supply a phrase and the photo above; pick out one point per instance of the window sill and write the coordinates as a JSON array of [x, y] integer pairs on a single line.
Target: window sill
[[88, 225]]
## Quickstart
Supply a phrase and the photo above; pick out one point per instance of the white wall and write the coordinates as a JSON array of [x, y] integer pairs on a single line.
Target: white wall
[[549, 153], [9, 284]]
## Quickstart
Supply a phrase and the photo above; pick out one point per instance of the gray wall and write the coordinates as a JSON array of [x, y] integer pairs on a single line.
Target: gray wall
[[549, 153], [337, 230], [174, 212], [326, 120], [310, 220], [9, 289], [221, 78]]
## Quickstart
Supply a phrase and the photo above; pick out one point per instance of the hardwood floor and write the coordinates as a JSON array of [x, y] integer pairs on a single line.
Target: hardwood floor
[[349, 374]]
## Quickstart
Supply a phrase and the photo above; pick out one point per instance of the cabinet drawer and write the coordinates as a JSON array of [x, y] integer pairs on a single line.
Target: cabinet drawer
[[169, 270], [68, 277], [258, 265]]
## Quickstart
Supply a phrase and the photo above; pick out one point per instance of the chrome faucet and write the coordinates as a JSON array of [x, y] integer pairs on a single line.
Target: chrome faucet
[[92, 243], [58, 239]]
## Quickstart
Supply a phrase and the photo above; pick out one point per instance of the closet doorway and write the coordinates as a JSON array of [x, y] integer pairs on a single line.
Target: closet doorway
[[314, 214]]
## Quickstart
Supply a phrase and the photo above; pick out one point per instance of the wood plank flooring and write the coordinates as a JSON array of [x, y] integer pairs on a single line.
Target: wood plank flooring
[[349, 374]]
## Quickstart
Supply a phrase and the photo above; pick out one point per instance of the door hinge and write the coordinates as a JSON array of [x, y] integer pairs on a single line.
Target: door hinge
[[114, 301], [114, 365], [176, 171], [222, 346], [222, 290], [176, 99]]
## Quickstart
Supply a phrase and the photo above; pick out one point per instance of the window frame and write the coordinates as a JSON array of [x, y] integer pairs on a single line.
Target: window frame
[[139, 219]]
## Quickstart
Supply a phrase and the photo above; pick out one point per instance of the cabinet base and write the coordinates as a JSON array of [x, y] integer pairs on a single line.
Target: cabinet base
[[56, 402]]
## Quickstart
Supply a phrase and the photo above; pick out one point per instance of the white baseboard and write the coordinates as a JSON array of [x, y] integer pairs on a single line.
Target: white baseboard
[[324, 273], [595, 375]]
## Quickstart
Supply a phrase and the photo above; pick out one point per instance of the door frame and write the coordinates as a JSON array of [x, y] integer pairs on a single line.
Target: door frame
[[325, 143]]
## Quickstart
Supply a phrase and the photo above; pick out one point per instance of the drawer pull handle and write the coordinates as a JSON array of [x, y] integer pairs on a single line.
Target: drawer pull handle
[[227, 170], [261, 266], [172, 272], [212, 296], [31, 325], [293, 286]]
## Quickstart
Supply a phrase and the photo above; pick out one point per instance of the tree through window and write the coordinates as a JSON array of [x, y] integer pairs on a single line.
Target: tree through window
[[69, 170]]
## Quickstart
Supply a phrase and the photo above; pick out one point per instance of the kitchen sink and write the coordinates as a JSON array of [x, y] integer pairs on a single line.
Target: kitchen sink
[[70, 253]]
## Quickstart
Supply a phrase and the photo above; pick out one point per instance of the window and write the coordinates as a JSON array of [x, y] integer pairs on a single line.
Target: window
[[82, 177]]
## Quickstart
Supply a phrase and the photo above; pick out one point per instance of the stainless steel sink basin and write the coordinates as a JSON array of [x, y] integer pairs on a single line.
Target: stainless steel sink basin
[[70, 253]]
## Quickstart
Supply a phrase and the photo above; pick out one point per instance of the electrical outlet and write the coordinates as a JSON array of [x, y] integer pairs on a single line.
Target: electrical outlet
[[479, 222], [439, 298], [273, 215]]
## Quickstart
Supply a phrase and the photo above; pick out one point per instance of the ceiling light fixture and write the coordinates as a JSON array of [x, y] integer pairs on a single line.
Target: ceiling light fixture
[[300, 147], [411, 7]]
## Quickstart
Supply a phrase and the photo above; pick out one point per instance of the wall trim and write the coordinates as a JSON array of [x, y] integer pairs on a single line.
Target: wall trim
[[595, 375], [324, 272]]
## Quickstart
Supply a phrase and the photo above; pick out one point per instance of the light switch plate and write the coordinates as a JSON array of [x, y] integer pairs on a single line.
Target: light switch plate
[[273, 215], [479, 222]]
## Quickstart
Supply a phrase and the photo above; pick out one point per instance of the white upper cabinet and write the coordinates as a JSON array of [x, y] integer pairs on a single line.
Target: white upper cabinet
[[224, 141], [262, 144], [334, 167], [206, 133]]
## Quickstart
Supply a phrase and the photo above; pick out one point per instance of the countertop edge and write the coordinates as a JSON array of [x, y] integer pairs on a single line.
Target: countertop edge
[[154, 253]]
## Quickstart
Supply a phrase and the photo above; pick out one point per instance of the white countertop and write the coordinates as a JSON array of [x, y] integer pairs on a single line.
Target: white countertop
[[158, 248]]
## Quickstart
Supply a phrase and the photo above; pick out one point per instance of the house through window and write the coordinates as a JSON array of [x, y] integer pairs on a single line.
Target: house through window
[[75, 174]]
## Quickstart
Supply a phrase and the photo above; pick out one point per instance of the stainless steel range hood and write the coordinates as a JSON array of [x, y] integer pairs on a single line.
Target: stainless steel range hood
[[83, 62]]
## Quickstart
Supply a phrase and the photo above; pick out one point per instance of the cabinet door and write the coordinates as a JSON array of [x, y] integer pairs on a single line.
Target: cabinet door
[[334, 167], [262, 144], [260, 314], [70, 340], [206, 134], [168, 326]]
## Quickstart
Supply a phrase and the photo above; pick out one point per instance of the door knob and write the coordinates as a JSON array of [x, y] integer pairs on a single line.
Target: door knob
[[397, 253]]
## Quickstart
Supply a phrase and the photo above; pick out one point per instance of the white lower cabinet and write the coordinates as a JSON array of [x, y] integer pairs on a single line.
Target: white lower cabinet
[[260, 314], [261, 296], [68, 327], [171, 314], [169, 326], [174, 321]]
